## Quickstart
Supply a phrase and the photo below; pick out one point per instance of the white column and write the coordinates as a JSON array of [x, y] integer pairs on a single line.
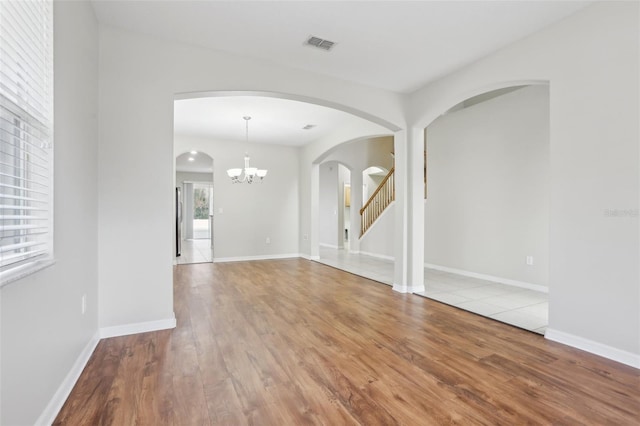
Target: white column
[[415, 202], [400, 226], [409, 227], [340, 176], [356, 205], [314, 241], [187, 217]]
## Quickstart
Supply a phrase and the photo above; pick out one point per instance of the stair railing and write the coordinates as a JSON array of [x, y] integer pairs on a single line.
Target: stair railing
[[384, 195]]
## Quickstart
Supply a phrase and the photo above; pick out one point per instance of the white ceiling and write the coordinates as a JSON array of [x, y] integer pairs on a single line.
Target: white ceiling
[[200, 163], [273, 120], [394, 45]]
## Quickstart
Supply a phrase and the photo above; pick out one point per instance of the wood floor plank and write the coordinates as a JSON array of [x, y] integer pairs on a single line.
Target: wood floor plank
[[293, 342]]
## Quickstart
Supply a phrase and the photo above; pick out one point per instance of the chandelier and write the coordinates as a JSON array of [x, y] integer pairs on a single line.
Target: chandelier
[[251, 174]]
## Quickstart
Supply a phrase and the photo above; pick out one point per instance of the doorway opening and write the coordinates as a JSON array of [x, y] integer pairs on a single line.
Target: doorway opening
[[486, 211], [194, 216]]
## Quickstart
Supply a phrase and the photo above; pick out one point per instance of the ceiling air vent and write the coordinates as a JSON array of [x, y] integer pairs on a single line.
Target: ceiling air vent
[[320, 43], [309, 127]]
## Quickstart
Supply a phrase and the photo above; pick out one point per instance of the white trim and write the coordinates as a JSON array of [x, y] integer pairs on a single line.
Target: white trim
[[259, 257], [379, 256], [500, 280], [407, 288], [596, 348], [401, 288], [54, 406], [16, 274], [135, 328], [331, 246], [308, 257]]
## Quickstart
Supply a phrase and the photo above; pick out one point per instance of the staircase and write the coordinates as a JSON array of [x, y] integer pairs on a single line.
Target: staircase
[[384, 195]]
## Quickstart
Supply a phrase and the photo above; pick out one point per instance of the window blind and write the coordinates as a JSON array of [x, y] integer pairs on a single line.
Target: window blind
[[26, 135]]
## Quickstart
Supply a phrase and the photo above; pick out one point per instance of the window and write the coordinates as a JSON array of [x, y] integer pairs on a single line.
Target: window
[[26, 138]]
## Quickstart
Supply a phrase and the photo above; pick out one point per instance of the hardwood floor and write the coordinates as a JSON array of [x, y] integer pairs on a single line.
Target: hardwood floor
[[292, 342]]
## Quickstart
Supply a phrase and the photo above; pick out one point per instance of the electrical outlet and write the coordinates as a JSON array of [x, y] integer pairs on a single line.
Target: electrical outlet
[[305, 237], [268, 240], [529, 260], [83, 301]]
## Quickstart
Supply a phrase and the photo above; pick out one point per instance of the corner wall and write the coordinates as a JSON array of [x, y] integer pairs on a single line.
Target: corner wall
[[487, 207], [44, 335], [592, 63]]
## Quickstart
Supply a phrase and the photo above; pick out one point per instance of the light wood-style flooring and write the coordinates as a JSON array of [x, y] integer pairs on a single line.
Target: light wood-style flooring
[[293, 342]]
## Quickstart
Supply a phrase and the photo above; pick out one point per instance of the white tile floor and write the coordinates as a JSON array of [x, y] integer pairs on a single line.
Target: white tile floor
[[195, 251], [520, 307]]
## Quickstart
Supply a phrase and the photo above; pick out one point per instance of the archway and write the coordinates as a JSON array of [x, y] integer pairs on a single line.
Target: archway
[[194, 208], [359, 126], [486, 212]]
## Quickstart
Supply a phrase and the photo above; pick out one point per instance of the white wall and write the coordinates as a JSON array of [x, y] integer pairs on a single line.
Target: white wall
[[139, 77], [252, 213], [43, 331], [182, 177], [378, 240], [488, 194], [591, 62], [329, 204], [371, 183]]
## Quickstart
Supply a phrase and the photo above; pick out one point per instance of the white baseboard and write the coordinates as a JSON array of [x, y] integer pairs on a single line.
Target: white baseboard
[[596, 348], [57, 401], [259, 257], [379, 256], [406, 288], [308, 257], [331, 246], [500, 280], [140, 327]]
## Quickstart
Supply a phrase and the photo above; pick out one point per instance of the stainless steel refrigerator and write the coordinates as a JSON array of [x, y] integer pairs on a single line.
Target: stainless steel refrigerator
[[178, 222]]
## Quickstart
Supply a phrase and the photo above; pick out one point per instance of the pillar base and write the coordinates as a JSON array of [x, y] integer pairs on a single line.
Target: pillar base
[[400, 288]]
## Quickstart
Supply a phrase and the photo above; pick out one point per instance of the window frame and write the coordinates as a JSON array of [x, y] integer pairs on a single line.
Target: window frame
[[26, 139]]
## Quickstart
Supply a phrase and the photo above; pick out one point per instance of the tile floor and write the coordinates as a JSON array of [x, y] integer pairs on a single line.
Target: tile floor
[[195, 251], [517, 306]]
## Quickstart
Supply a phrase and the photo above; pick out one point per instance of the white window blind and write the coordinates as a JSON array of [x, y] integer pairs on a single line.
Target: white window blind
[[26, 136]]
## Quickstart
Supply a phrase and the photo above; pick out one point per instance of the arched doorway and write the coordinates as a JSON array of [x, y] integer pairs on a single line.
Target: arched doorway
[[486, 211], [285, 139], [194, 208]]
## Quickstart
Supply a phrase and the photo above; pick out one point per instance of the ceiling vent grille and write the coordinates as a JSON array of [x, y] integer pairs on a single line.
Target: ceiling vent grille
[[320, 43], [309, 127]]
